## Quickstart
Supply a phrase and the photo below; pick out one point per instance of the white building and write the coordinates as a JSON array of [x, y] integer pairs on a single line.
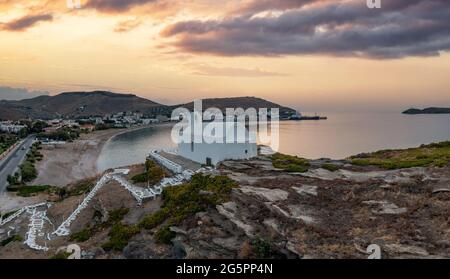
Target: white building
[[214, 149], [8, 127]]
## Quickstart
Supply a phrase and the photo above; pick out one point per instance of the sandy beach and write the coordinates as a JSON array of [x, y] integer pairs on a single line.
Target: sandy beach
[[63, 164]]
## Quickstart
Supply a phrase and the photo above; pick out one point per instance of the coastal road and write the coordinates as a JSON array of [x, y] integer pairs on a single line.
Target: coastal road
[[10, 163]]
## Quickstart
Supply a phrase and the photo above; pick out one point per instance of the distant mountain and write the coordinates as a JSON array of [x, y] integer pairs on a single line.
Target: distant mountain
[[77, 104], [432, 110], [100, 103], [242, 102]]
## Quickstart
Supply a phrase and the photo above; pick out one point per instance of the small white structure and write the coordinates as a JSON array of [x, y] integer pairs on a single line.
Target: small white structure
[[217, 148], [9, 127]]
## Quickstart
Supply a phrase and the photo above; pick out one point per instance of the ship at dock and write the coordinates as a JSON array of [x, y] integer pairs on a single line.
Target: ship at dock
[[298, 116]]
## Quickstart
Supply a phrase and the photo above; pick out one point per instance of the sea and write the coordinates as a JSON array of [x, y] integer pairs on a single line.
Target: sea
[[340, 136]]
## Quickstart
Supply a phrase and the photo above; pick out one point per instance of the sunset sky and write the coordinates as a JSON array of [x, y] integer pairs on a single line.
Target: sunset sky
[[314, 55]]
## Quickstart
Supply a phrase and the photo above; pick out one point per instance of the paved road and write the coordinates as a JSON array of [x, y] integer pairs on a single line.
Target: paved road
[[9, 164]]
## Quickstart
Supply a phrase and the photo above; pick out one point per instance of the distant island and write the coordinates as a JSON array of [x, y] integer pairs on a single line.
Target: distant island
[[431, 110]]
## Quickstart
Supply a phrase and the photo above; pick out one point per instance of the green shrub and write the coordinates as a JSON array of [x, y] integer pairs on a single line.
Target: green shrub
[[262, 249], [164, 235], [153, 173], [82, 235], [11, 239], [290, 163], [151, 221], [62, 255], [434, 155], [28, 172], [140, 178], [119, 236], [115, 216], [7, 214], [28, 191], [180, 202], [330, 167], [80, 188]]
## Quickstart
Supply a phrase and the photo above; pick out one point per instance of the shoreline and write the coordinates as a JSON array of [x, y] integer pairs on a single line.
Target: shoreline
[[75, 160]]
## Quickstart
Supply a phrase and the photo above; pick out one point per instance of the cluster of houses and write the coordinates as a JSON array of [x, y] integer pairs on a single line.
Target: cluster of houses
[[10, 127], [117, 120]]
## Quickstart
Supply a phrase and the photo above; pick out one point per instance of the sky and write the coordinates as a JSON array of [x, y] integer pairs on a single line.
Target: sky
[[313, 55]]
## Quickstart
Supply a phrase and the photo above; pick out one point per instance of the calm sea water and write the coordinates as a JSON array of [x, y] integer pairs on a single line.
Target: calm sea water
[[338, 137]]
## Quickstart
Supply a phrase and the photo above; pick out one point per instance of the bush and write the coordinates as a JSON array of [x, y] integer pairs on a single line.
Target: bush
[[7, 214], [434, 155], [79, 188], [164, 235], [151, 221], [115, 216], [28, 191], [82, 235], [140, 178], [152, 175], [290, 163], [119, 236], [11, 239], [28, 172], [180, 202], [13, 179], [330, 167], [62, 255]]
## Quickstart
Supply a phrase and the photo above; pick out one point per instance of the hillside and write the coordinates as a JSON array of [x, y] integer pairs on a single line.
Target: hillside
[[99, 103], [77, 104], [243, 102], [432, 110]]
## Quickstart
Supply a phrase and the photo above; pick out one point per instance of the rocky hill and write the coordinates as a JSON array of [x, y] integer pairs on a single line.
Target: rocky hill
[[276, 206], [99, 103], [76, 104], [432, 110], [243, 102]]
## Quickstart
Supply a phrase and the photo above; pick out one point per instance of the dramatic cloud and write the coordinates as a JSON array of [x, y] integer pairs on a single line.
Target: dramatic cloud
[[25, 22], [8, 93], [116, 5], [339, 28]]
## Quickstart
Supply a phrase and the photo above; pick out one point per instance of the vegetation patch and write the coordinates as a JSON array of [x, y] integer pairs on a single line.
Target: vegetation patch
[[432, 155], [62, 134], [27, 170], [115, 217], [119, 236], [290, 163], [83, 235], [152, 175], [330, 167], [164, 235], [6, 141], [79, 188], [180, 202], [28, 191], [62, 255], [11, 239], [7, 214], [259, 248]]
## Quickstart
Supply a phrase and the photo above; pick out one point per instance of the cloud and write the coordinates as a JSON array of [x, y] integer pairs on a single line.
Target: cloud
[[127, 25], [255, 6], [338, 28], [116, 5], [208, 70], [9, 93], [25, 22]]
